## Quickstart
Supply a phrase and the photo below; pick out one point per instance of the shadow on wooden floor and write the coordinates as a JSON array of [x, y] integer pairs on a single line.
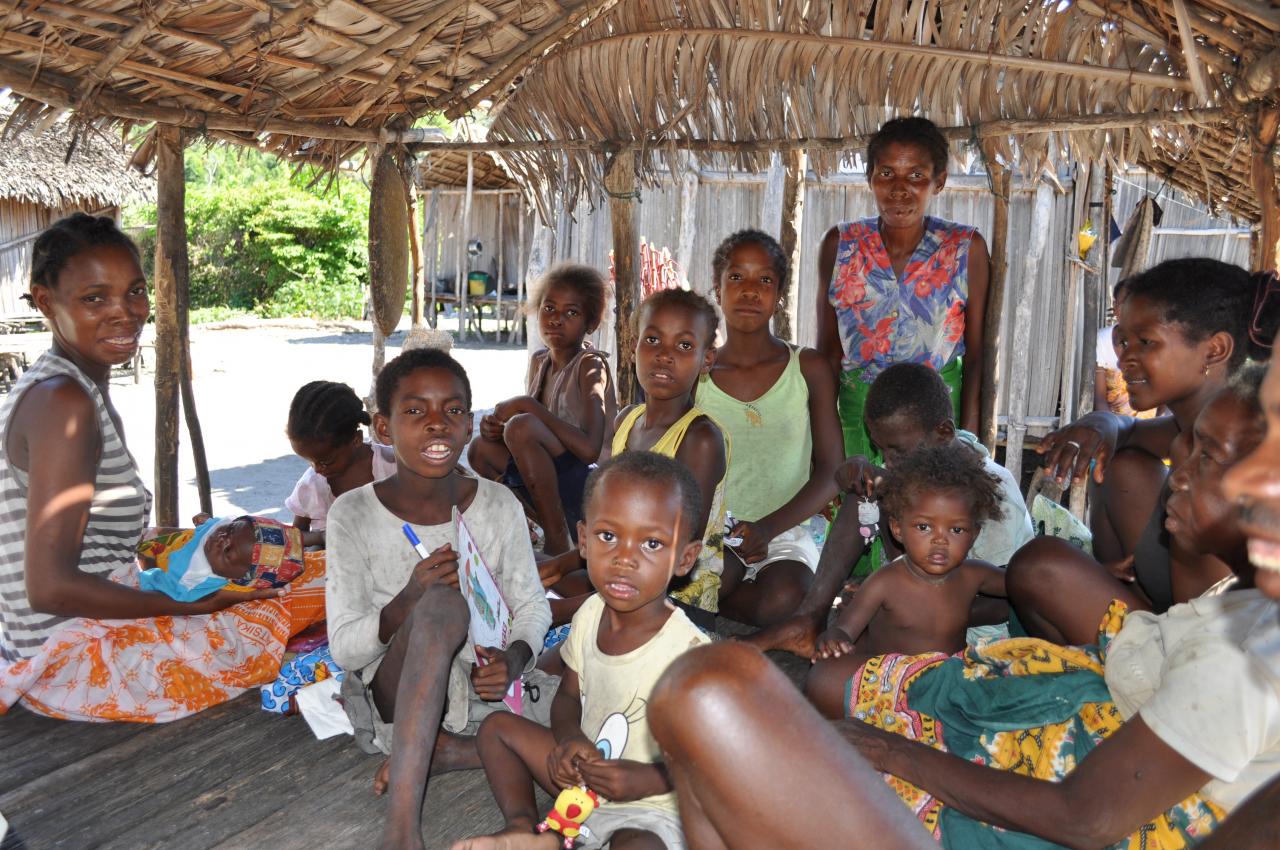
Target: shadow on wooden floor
[[230, 777]]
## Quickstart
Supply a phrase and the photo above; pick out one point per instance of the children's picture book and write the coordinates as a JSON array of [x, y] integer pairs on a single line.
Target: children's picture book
[[490, 616]]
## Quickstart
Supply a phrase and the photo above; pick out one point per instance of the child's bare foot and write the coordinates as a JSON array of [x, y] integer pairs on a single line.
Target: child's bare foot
[[798, 634], [513, 840], [453, 752]]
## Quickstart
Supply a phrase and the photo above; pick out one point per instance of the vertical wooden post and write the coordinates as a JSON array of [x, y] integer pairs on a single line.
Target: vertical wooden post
[[171, 262], [784, 321], [415, 255], [1094, 312], [431, 224], [620, 183], [1262, 174], [688, 222], [520, 270], [502, 251], [1001, 183], [464, 265], [774, 207], [1041, 215]]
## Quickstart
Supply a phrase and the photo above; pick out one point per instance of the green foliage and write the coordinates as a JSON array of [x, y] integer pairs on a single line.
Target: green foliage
[[259, 240]]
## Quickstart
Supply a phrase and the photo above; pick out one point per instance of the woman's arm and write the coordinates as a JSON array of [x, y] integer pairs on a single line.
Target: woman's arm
[[828, 328], [1130, 778], [56, 422], [1095, 438], [975, 316], [702, 450], [828, 449]]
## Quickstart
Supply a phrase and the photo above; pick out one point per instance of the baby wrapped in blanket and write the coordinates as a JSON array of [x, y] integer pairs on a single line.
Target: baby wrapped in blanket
[[245, 553]]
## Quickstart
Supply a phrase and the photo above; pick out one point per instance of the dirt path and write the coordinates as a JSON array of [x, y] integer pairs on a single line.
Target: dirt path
[[244, 381]]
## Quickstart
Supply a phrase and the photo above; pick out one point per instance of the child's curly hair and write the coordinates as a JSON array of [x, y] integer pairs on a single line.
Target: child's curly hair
[[953, 468], [585, 281], [685, 299]]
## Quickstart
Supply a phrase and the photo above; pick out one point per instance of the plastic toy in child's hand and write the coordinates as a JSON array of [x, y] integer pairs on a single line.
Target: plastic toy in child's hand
[[573, 806], [729, 523]]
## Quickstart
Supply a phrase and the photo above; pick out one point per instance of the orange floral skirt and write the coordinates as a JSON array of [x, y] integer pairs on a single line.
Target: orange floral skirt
[[164, 668]]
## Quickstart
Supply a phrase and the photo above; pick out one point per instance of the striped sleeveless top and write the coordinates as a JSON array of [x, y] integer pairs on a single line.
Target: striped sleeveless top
[[117, 515]]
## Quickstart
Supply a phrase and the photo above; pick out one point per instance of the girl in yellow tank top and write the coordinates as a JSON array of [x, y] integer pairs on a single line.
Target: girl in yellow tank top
[[674, 346]]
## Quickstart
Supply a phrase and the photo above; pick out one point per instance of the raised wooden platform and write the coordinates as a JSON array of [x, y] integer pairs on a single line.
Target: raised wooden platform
[[231, 777]]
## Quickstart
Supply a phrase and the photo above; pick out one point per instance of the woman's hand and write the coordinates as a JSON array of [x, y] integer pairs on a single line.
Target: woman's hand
[[622, 781], [832, 643], [859, 476], [1068, 451], [564, 761], [226, 598]]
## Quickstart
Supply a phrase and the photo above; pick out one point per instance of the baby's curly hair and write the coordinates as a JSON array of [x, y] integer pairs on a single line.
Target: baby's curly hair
[[954, 468]]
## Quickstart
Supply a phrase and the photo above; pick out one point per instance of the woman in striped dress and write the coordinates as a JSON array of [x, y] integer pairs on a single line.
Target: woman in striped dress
[[78, 638]]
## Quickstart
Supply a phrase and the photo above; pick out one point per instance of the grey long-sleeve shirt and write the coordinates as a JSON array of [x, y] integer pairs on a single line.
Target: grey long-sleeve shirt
[[370, 561]]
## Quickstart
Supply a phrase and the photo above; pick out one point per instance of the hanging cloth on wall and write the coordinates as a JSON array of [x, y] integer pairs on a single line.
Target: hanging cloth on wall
[[1134, 247]]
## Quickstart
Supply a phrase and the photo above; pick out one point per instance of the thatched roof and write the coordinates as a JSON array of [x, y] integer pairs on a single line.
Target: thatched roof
[[59, 168], [447, 169], [321, 78], [744, 70]]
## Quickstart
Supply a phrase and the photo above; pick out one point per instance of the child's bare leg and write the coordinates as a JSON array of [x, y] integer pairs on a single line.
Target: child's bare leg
[[636, 839], [772, 596], [488, 458], [514, 753], [412, 695], [534, 448], [452, 752], [826, 683], [721, 712]]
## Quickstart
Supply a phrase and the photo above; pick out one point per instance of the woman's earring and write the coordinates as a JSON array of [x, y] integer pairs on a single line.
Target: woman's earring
[[1206, 370]]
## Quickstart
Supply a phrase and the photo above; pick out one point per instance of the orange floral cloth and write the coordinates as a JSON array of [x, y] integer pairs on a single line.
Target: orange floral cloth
[[164, 668]]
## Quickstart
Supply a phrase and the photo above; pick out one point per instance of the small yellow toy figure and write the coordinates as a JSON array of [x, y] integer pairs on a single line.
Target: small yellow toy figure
[[574, 805]]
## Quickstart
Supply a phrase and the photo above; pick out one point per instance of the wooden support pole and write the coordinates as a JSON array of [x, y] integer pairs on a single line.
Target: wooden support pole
[[171, 263], [1094, 310], [432, 226], [688, 222], [415, 256], [797, 166], [464, 266], [620, 183], [502, 250], [1019, 376], [1262, 174], [991, 367], [520, 271], [771, 211]]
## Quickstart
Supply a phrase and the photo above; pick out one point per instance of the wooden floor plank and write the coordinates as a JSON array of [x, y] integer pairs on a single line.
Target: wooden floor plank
[[61, 744]]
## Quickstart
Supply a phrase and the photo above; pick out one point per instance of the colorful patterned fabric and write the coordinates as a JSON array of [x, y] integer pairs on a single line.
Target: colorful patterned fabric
[[277, 555], [884, 319], [163, 668], [1022, 704], [302, 670]]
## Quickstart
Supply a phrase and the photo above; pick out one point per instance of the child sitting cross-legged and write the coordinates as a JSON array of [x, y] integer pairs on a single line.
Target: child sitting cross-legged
[[397, 622], [937, 499], [643, 526]]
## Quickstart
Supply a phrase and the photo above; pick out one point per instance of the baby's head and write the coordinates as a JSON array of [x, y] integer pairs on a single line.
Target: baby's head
[[570, 304], [675, 341], [254, 552], [908, 407], [324, 426], [643, 527], [937, 499], [424, 411]]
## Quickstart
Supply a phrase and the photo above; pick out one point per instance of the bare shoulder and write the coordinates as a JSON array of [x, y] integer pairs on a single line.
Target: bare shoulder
[[814, 366], [59, 399], [622, 416], [976, 571], [704, 435]]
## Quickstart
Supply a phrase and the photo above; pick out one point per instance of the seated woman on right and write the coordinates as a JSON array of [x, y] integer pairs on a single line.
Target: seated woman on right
[[1153, 749], [1183, 331]]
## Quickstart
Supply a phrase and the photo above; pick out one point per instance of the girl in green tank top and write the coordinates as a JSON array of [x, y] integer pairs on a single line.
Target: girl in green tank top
[[777, 404]]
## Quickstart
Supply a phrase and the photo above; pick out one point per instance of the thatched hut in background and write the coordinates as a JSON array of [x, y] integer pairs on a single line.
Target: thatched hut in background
[[45, 176]]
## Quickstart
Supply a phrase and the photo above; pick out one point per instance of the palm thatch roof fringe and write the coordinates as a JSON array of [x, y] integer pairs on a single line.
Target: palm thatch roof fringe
[[322, 79], [752, 69], [60, 168]]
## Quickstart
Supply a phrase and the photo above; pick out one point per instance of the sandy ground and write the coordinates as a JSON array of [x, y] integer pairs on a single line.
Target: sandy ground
[[244, 379]]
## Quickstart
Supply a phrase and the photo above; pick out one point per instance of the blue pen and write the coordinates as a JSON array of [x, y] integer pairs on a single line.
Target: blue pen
[[413, 539]]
